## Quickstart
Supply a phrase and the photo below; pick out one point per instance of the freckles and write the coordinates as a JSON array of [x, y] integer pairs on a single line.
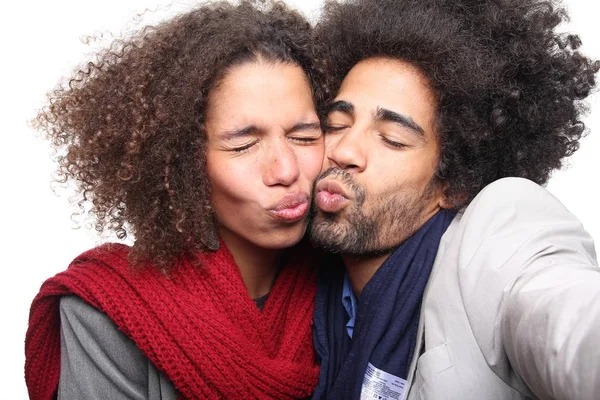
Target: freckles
[[310, 161]]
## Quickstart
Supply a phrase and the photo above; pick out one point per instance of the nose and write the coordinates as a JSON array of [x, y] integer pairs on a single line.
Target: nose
[[282, 165], [346, 149]]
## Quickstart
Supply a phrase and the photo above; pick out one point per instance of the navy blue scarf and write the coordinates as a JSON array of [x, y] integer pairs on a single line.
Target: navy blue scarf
[[387, 317]]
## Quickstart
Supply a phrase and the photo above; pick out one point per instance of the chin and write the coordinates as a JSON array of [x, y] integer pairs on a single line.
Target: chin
[[285, 238]]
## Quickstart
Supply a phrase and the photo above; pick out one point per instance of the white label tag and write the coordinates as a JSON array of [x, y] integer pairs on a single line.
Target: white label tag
[[380, 385]]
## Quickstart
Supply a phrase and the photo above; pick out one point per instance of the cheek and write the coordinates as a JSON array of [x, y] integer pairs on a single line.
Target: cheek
[[310, 161], [226, 170], [415, 167], [331, 141], [231, 182], [423, 169], [416, 172]]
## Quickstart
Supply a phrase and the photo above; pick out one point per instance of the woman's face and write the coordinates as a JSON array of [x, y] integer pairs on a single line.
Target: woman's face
[[265, 148]]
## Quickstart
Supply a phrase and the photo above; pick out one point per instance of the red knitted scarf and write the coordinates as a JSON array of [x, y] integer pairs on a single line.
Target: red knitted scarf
[[198, 325]]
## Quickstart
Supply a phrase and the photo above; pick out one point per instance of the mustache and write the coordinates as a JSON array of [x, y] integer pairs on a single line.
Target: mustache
[[346, 178], [341, 174]]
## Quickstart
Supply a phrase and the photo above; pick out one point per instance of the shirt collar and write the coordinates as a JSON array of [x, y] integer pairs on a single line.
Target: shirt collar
[[349, 301]]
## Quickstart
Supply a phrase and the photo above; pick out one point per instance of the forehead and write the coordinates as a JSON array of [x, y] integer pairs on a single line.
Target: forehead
[[261, 78], [391, 84], [260, 90]]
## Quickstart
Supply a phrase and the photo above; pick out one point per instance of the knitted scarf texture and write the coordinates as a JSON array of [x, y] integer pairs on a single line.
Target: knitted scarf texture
[[198, 325]]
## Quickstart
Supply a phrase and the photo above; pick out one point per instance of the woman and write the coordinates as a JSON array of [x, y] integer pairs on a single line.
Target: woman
[[200, 137]]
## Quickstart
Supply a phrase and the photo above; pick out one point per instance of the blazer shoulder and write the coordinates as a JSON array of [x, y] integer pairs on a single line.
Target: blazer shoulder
[[516, 201], [512, 212], [512, 191]]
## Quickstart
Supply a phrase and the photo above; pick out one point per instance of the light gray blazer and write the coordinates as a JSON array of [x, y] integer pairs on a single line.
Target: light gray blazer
[[512, 307]]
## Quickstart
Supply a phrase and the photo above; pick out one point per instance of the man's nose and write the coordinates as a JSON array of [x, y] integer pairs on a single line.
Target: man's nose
[[347, 149]]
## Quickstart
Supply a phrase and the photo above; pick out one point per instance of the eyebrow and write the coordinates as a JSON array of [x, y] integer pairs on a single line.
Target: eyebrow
[[304, 126], [253, 129], [383, 114], [386, 115], [341, 106]]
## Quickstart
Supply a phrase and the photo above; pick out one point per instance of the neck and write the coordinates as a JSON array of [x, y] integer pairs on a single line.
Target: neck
[[258, 266], [361, 269]]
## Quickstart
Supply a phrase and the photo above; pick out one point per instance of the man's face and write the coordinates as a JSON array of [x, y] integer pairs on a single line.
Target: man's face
[[381, 152]]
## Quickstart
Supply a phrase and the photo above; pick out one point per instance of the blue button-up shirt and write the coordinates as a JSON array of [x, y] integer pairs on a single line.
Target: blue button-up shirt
[[349, 301]]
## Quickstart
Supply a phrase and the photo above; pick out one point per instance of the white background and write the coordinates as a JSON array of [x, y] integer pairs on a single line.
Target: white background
[[40, 42]]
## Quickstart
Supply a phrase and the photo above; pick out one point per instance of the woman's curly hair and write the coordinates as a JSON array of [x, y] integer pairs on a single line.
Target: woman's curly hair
[[128, 127], [509, 87]]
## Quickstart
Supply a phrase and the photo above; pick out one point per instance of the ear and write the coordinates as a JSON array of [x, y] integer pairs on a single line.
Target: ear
[[453, 201], [450, 200], [444, 203]]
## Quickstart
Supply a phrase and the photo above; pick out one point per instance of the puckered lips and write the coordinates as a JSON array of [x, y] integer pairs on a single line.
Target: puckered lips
[[331, 196], [291, 207]]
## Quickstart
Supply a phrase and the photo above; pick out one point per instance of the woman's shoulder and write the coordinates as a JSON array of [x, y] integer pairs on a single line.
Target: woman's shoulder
[[75, 312], [103, 251], [105, 259], [91, 273], [94, 347]]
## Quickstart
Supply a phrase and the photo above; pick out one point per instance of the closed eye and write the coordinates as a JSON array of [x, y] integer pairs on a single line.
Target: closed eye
[[305, 133], [334, 128], [393, 143], [241, 149], [305, 140]]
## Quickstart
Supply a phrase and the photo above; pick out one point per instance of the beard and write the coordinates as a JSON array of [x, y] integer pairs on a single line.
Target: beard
[[373, 230]]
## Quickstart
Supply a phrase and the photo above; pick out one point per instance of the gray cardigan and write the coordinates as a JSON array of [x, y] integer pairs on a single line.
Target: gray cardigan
[[99, 362]]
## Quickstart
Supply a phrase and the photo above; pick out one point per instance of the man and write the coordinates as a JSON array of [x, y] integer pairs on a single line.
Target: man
[[460, 277]]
